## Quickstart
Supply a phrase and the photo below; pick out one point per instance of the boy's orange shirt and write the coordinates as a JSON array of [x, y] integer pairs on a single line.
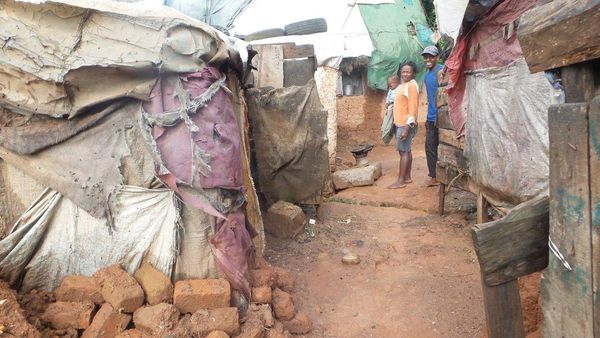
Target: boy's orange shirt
[[406, 103]]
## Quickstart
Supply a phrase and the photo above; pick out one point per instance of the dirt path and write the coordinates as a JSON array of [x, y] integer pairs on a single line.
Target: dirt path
[[418, 275]]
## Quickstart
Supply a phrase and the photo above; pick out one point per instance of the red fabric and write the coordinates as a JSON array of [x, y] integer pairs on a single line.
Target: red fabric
[[490, 52]]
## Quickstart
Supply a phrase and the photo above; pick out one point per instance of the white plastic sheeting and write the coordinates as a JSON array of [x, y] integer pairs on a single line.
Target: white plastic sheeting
[[449, 14], [218, 13], [507, 132], [55, 238]]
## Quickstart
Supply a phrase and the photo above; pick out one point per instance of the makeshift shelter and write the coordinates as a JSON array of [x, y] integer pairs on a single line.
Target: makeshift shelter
[[123, 140]]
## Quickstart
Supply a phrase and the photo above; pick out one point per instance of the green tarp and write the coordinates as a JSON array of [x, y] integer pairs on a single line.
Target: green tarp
[[399, 33]]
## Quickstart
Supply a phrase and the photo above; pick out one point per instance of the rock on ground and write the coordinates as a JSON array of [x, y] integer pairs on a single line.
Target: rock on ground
[[79, 289], [283, 305], [156, 285], [63, 315], [284, 220], [156, 319], [108, 322], [355, 177]]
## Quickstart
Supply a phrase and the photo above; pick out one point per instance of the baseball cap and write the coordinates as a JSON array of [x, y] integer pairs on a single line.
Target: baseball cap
[[431, 50]]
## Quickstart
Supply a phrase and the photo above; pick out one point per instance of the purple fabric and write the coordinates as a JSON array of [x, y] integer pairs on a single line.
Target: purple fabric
[[218, 135], [233, 248]]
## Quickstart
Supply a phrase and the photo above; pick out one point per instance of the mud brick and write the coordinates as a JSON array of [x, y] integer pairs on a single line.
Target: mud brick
[[156, 319], [300, 324], [62, 315], [196, 294], [262, 295], [262, 277], [79, 289], [119, 289], [283, 305], [203, 322], [156, 285], [107, 323]]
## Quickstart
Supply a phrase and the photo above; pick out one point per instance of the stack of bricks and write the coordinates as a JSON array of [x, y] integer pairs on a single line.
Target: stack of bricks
[[359, 118], [112, 303]]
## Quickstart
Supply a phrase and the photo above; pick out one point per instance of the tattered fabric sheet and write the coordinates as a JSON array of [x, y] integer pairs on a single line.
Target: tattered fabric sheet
[[146, 223], [491, 42], [86, 167], [196, 137], [289, 128], [507, 132], [61, 56]]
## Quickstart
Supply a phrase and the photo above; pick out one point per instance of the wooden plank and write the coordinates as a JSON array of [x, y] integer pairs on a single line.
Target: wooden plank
[[567, 294], [525, 231], [449, 137], [298, 72], [442, 97], [560, 33], [293, 51], [578, 81], [446, 174], [594, 130], [443, 119], [451, 155], [503, 310], [482, 209]]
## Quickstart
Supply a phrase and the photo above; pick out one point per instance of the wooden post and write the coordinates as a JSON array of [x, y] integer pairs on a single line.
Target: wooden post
[[594, 130], [502, 302], [567, 291], [442, 197]]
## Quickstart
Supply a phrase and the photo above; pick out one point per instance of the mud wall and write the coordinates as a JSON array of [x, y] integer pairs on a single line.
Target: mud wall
[[359, 118]]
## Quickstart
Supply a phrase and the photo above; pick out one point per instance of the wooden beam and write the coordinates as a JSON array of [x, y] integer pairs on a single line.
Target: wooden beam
[[560, 33], [446, 174], [594, 141], [293, 51], [503, 310], [449, 137], [443, 119], [567, 291], [525, 231], [451, 155]]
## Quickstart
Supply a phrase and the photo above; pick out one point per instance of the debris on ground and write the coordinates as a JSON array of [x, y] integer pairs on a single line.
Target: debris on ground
[[109, 304], [285, 220]]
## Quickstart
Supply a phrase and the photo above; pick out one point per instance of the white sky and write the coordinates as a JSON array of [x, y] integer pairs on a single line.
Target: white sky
[[264, 14]]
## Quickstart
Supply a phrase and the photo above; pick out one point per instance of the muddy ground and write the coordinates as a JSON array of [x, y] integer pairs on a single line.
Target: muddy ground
[[418, 275]]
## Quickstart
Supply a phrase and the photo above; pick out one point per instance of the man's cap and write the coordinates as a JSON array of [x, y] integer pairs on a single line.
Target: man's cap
[[431, 50]]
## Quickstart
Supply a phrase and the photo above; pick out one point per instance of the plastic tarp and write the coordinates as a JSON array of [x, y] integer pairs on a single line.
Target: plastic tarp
[[289, 128], [399, 33], [449, 15], [507, 132], [217, 13], [145, 227], [490, 43]]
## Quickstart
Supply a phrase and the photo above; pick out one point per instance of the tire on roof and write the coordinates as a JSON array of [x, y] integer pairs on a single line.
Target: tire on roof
[[310, 26], [264, 34]]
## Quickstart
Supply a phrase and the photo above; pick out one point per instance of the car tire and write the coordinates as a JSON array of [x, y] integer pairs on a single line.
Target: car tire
[[304, 27]]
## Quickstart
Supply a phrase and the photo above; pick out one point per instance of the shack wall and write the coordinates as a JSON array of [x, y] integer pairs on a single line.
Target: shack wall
[[359, 118]]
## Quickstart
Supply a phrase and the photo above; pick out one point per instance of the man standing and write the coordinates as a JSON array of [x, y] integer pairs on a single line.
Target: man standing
[[432, 139]]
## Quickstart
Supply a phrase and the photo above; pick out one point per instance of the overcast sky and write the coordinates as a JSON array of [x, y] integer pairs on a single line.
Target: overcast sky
[[264, 14]]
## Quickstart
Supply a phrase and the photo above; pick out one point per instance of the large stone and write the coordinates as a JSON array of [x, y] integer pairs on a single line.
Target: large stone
[[203, 322], [79, 289], [119, 289], [278, 331], [284, 220], [355, 177], [262, 277], [63, 315], [193, 295], [156, 319], [156, 285], [108, 322], [283, 305], [218, 334], [284, 279]]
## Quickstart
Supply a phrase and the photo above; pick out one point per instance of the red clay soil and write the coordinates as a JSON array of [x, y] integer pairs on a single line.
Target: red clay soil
[[418, 275], [12, 317]]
